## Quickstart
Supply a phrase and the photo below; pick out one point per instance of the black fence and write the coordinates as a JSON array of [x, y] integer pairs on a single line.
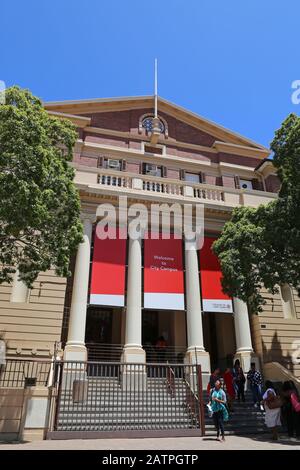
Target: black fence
[[22, 373], [93, 399]]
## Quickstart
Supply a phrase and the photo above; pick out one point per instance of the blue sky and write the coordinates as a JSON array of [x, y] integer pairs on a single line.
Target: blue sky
[[229, 61]]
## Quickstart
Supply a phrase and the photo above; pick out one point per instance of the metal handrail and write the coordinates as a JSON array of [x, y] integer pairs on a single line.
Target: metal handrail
[[170, 380]]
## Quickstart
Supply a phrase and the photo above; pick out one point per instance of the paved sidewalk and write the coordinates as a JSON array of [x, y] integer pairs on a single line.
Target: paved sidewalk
[[178, 443]]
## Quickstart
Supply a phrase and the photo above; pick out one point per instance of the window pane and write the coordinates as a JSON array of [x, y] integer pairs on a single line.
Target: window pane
[[192, 177]]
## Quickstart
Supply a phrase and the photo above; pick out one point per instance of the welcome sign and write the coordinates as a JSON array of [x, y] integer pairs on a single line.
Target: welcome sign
[[213, 298], [163, 274]]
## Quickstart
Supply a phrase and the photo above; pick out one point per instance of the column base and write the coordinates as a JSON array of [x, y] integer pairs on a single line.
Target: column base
[[75, 352], [74, 370], [133, 355], [201, 357], [133, 369]]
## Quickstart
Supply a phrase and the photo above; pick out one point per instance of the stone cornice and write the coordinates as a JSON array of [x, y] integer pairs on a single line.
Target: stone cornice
[[79, 121], [240, 150]]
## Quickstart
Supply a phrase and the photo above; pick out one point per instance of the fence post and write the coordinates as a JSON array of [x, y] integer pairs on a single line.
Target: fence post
[[200, 398]]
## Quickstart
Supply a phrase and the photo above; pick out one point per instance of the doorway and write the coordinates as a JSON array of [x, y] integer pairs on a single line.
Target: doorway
[[169, 325], [219, 339], [98, 325]]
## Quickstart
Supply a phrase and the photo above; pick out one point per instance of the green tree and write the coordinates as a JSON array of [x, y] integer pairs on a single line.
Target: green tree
[[40, 206], [261, 247]]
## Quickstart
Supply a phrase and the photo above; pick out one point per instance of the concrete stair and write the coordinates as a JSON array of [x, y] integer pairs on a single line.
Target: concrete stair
[[109, 408]]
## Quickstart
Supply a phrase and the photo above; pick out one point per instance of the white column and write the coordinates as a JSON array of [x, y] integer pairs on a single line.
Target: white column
[[195, 350], [133, 351], [19, 291], [244, 350], [75, 349]]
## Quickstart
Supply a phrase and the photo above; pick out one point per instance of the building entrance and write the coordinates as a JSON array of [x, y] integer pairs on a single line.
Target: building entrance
[[103, 333], [164, 335], [98, 325], [219, 339]]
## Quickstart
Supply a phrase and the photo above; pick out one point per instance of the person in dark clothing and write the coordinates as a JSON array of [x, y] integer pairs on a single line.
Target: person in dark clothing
[[290, 412], [239, 381], [161, 348], [255, 379]]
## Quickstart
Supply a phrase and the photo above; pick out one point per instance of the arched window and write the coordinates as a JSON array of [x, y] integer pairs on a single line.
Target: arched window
[[287, 301]]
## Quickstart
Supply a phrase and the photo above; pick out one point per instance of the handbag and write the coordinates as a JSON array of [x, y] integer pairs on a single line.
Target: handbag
[[273, 403]]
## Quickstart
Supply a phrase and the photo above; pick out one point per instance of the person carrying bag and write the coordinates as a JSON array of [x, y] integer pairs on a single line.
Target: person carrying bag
[[272, 404]]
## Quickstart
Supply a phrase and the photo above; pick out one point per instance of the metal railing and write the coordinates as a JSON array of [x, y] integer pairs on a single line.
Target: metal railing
[[172, 354], [20, 373], [107, 352], [104, 352], [111, 397]]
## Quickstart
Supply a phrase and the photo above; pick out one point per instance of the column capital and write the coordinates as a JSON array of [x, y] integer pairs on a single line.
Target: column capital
[[89, 217]]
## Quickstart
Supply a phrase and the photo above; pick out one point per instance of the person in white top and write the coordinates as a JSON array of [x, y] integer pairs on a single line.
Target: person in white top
[[272, 405]]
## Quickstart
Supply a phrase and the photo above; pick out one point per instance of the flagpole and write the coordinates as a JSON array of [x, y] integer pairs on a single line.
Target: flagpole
[[155, 88]]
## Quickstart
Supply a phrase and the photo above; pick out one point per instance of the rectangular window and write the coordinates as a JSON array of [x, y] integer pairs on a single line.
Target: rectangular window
[[113, 164], [192, 177], [246, 184], [152, 170]]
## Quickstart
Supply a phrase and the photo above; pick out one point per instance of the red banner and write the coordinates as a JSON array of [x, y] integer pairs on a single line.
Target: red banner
[[213, 298], [163, 274], [108, 272]]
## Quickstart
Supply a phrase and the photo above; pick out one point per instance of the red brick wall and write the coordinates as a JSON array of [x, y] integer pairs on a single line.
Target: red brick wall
[[228, 181], [106, 140], [86, 161], [132, 167], [272, 183], [128, 121], [238, 159], [174, 174], [210, 179]]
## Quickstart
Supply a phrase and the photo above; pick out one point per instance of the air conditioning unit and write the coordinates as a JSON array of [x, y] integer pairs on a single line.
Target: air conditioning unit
[[151, 169], [246, 184], [115, 164]]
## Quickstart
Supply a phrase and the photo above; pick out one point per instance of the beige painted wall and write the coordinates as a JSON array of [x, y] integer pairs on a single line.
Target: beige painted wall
[[275, 337], [31, 329]]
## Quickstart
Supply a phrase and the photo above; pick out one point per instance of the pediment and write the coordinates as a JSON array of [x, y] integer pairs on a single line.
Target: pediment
[[122, 114]]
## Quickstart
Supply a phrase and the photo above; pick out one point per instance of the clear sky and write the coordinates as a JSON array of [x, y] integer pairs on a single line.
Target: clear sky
[[231, 61]]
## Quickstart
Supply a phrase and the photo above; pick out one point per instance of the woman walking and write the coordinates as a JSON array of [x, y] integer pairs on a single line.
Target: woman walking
[[272, 403], [220, 413]]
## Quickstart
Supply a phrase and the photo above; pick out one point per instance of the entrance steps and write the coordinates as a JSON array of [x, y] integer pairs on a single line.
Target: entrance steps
[[109, 408]]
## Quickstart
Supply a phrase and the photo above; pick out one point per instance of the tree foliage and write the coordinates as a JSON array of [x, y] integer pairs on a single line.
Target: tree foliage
[[39, 211], [261, 247]]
